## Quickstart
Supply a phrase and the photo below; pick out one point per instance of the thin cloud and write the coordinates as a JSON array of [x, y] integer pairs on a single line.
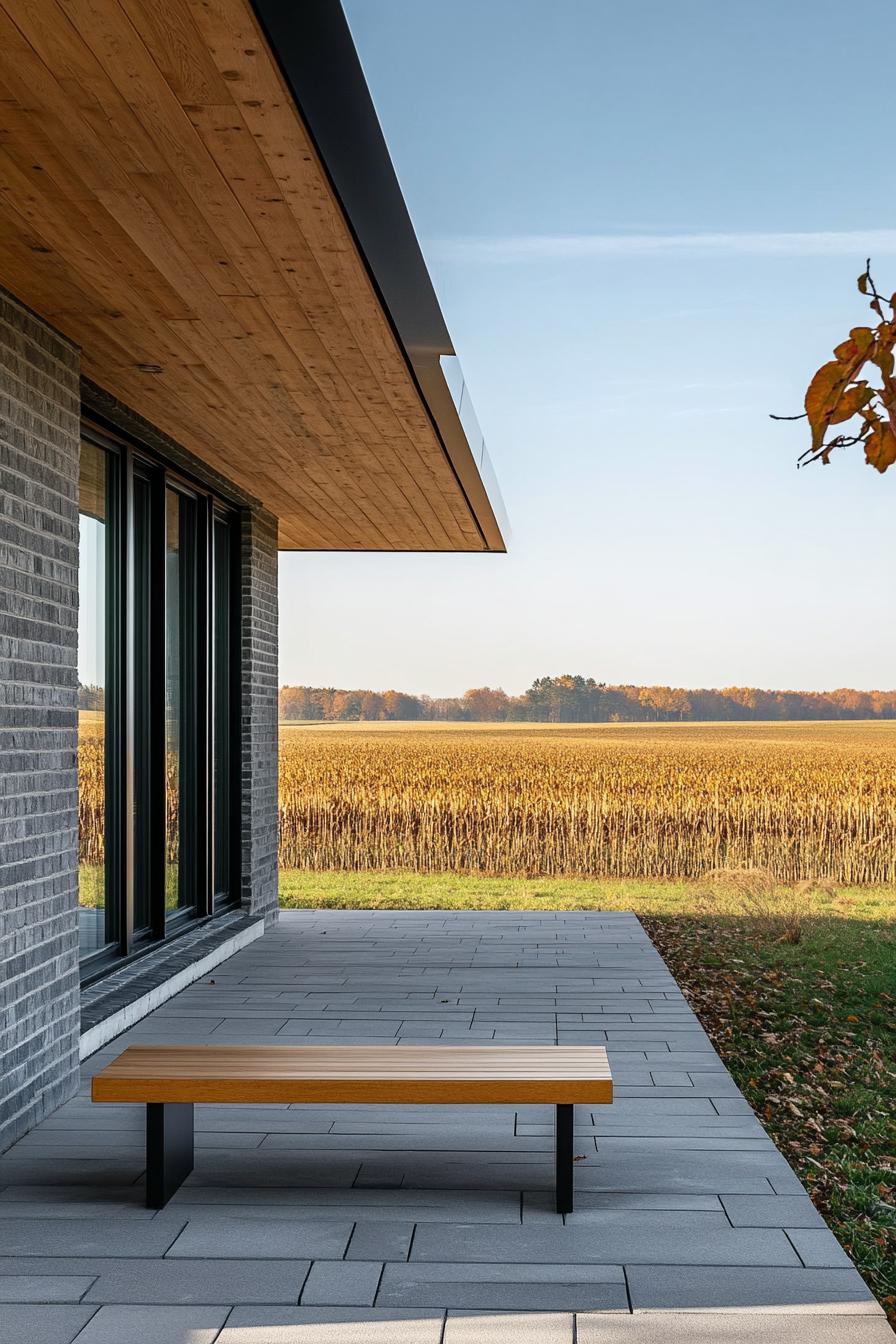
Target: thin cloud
[[581, 246]]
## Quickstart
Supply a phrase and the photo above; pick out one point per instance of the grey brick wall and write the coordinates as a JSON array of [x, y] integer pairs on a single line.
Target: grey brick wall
[[258, 710], [40, 403], [39, 448]]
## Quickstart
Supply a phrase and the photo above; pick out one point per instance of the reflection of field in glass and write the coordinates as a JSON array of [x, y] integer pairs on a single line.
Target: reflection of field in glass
[[92, 814], [172, 820], [91, 808], [172, 886], [806, 800]]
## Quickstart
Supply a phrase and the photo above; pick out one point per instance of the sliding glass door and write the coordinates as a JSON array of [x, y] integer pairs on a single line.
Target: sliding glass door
[[157, 734]]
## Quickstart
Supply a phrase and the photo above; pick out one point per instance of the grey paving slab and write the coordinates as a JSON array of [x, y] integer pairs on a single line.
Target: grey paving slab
[[292, 1170], [88, 1236], [198, 1281], [44, 1287], [342, 1283], [42, 1325], [424, 1139], [715, 1086], [700, 1288], [657, 1127], [62, 1171], [612, 1236], [109, 1198], [642, 1109], [75, 1209], [818, 1248], [731, 1173], [525, 1287], [679, 1187], [612, 1144], [283, 1122], [334, 1325], [485, 1125], [154, 1325], [450, 1205], [538, 1205], [790, 1211], [222, 1238], [380, 1241]]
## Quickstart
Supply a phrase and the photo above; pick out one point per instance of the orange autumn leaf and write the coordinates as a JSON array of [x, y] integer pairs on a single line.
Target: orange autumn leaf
[[856, 347], [822, 396], [851, 402], [880, 448]]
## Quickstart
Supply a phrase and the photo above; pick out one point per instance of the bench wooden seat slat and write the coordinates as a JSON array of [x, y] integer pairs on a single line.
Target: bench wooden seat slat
[[408, 1061], [345, 1073], [170, 1079]]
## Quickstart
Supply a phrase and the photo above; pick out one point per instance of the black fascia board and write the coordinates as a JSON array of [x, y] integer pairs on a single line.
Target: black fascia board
[[313, 44]]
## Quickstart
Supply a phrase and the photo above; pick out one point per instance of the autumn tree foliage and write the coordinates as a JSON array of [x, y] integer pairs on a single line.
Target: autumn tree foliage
[[576, 699], [857, 386]]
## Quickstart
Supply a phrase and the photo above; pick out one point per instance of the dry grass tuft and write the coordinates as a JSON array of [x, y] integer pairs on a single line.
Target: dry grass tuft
[[778, 910]]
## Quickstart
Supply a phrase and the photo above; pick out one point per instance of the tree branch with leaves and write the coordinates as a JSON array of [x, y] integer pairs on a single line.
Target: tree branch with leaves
[[838, 393]]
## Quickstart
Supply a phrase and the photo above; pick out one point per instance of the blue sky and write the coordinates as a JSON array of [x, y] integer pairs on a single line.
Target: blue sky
[[644, 222]]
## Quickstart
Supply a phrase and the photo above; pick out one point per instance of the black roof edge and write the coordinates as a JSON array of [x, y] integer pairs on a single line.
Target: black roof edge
[[313, 45]]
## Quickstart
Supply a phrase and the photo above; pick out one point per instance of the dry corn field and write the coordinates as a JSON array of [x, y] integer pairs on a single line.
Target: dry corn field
[[805, 800]]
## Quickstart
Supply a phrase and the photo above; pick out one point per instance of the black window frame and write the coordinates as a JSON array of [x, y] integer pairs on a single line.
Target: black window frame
[[135, 728], [226, 900]]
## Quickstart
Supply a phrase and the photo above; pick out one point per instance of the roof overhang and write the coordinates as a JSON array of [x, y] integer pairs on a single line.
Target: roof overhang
[[200, 196]]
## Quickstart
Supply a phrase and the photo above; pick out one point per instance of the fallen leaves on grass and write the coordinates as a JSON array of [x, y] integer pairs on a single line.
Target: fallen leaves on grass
[[808, 1033]]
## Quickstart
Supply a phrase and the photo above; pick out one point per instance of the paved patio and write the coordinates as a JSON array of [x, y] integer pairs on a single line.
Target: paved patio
[[430, 1225]]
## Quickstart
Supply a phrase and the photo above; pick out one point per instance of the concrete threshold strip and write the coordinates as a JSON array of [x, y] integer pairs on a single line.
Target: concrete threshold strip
[[130, 1013]]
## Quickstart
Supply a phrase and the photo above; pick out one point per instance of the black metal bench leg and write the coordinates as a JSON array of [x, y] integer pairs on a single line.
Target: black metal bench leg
[[564, 1130], [169, 1149]]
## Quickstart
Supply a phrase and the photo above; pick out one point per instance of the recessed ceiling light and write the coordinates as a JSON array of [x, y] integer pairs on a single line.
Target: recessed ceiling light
[[149, 368]]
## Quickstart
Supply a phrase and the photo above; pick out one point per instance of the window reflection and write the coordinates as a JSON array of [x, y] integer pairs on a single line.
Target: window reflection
[[180, 699], [96, 912]]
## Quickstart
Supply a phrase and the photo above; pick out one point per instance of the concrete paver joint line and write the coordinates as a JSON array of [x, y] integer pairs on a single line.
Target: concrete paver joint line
[[310, 1224]]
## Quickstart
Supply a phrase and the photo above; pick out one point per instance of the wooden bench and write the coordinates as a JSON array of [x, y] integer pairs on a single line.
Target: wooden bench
[[169, 1079]]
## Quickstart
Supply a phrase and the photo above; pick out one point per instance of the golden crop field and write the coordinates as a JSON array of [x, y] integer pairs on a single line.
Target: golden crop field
[[806, 800]]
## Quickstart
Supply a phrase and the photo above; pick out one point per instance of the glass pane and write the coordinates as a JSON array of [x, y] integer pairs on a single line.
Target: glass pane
[[144, 748], [222, 709], [96, 912], [180, 700]]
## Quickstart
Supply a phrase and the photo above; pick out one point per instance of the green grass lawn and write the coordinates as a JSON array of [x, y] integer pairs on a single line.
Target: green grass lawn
[[807, 1030]]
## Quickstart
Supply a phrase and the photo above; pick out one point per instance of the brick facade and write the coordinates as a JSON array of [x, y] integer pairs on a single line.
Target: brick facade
[[258, 713], [40, 408], [39, 448]]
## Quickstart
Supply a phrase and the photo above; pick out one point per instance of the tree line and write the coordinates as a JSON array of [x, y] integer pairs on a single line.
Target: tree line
[[572, 699]]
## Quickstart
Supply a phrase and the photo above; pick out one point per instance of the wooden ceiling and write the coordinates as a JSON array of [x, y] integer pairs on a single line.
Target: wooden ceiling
[[162, 204]]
